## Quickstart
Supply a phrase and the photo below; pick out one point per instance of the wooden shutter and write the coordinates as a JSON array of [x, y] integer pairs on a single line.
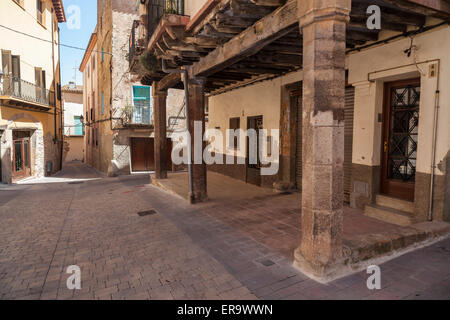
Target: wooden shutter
[[296, 100], [37, 77], [348, 139], [6, 62], [15, 66], [235, 124]]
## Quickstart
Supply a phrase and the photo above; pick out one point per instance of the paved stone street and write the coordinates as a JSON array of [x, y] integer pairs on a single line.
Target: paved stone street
[[181, 252]]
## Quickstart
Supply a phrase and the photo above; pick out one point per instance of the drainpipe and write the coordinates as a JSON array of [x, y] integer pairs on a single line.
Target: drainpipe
[[61, 104], [189, 147], [433, 147], [54, 78]]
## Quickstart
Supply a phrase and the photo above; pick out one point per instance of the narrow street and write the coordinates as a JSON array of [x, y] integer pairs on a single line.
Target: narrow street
[[181, 252]]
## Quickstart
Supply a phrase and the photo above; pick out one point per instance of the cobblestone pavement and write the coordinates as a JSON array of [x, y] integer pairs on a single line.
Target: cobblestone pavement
[[181, 252]]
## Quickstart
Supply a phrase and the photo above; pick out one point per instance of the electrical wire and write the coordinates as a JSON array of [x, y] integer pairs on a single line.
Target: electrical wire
[[49, 41]]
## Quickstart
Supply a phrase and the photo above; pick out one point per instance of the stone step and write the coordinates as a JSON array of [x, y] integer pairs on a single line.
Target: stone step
[[387, 214], [398, 204]]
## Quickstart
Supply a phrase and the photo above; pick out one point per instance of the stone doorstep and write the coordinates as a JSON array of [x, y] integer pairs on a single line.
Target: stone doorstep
[[364, 250]]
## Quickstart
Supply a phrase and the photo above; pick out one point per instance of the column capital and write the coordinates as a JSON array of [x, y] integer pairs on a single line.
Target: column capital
[[311, 11], [198, 81], [156, 92]]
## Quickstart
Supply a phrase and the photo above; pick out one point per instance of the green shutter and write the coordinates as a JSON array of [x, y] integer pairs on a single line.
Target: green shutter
[[141, 93], [78, 126]]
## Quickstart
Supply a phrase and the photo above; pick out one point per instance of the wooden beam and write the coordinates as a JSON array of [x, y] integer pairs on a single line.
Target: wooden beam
[[269, 3], [253, 39], [169, 81], [389, 14], [437, 8]]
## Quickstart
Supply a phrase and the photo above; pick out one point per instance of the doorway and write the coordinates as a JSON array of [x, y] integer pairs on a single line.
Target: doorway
[[400, 138], [21, 155], [143, 154], [254, 169]]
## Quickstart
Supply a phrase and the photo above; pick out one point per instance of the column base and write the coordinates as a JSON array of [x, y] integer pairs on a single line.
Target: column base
[[198, 197], [320, 273], [161, 176]]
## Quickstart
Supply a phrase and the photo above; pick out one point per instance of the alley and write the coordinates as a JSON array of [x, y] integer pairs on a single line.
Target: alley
[[179, 252]]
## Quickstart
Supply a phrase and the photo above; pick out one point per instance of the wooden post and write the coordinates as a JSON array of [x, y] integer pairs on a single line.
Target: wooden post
[[197, 115], [159, 100]]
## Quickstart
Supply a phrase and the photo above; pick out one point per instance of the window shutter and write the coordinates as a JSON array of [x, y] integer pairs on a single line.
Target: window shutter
[[44, 85], [15, 66], [37, 77], [6, 62]]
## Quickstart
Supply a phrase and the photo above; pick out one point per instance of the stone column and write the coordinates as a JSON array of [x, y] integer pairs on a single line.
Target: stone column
[[323, 25], [197, 115], [159, 102]]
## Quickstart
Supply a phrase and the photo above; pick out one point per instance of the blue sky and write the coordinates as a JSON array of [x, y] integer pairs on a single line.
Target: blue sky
[[71, 58]]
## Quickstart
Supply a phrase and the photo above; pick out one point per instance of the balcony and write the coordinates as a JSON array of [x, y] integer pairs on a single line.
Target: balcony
[[15, 92], [152, 15], [138, 115]]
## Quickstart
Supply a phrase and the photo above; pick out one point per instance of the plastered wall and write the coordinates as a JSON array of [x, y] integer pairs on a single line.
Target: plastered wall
[[369, 65]]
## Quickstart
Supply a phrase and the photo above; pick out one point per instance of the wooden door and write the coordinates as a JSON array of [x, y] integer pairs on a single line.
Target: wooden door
[[296, 104], [254, 170], [142, 154], [21, 159], [400, 138]]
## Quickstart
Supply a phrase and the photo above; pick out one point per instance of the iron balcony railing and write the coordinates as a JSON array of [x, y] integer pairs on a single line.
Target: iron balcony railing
[[141, 33], [20, 89], [139, 114], [134, 49], [156, 10]]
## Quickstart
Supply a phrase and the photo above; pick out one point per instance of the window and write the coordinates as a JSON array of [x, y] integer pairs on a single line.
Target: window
[[233, 139], [6, 62], [103, 109], [103, 55], [78, 126], [93, 101], [93, 62], [96, 136], [40, 84], [40, 12], [141, 105]]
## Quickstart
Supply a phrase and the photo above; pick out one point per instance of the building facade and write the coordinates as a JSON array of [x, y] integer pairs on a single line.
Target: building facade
[[362, 115], [30, 103], [118, 115], [72, 99]]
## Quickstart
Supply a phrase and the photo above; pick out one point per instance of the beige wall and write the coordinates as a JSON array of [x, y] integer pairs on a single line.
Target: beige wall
[[24, 20], [191, 7], [74, 148], [368, 64], [90, 89]]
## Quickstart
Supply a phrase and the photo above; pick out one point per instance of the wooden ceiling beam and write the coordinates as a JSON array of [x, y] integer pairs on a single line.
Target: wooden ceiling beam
[[269, 3], [273, 26], [393, 16]]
